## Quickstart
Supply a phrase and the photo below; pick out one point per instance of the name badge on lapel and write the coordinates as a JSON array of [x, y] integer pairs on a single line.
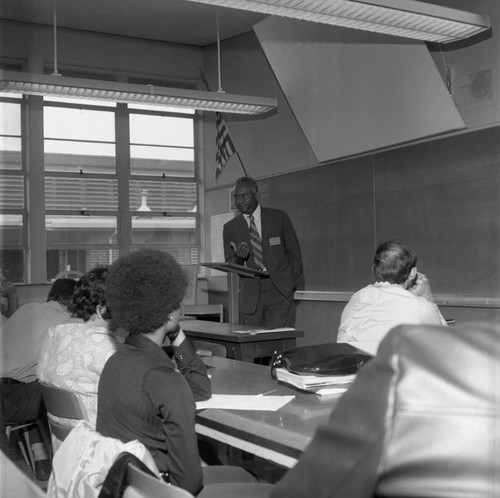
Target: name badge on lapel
[[274, 241]]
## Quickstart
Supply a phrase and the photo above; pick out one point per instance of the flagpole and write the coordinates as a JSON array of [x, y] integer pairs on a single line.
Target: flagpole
[[221, 90], [205, 82], [218, 54], [241, 162]]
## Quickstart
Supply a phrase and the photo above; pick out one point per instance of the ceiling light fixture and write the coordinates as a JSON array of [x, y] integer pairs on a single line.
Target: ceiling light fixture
[[128, 93], [406, 18], [58, 86]]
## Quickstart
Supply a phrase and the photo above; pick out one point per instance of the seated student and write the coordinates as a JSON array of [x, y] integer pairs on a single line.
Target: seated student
[[420, 420], [399, 295], [145, 395], [22, 337], [73, 354]]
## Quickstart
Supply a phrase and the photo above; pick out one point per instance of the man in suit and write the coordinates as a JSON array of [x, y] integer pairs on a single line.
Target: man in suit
[[274, 248]]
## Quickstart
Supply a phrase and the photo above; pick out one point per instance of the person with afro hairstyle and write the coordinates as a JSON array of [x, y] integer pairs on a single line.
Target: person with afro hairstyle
[[147, 396]]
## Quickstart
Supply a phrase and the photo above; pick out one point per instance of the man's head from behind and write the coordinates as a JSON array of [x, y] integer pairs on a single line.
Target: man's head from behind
[[394, 263], [62, 291]]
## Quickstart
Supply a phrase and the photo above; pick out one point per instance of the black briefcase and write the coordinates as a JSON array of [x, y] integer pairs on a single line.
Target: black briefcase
[[321, 359]]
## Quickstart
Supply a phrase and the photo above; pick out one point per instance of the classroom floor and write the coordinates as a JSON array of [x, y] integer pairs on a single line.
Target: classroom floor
[[215, 454], [266, 471], [16, 457]]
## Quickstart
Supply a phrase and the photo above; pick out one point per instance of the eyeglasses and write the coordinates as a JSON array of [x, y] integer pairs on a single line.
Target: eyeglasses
[[243, 196]]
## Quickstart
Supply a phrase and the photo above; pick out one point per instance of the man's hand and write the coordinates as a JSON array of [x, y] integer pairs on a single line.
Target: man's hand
[[422, 287], [241, 252]]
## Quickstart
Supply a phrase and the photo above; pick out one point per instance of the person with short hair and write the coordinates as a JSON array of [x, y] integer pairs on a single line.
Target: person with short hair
[[264, 301], [399, 295], [143, 393], [22, 336]]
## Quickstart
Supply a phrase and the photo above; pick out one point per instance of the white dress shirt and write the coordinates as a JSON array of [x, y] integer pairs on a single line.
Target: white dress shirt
[[377, 308], [257, 219]]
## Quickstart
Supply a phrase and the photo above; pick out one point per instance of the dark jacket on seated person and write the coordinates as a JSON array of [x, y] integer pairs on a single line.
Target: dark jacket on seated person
[[142, 396], [421, 420]]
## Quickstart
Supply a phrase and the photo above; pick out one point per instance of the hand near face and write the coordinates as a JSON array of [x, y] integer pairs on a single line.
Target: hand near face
[[422, 287]]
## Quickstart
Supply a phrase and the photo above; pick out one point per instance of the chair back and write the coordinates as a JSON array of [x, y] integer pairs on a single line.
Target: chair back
[[207, 348], [62, 404], [143, 485], [203, 311]]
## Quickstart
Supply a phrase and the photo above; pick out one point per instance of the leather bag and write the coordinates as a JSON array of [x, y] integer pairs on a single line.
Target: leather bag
[[321, 359]]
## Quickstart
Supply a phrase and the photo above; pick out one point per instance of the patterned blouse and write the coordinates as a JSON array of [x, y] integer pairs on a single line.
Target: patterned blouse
[[73, 356]]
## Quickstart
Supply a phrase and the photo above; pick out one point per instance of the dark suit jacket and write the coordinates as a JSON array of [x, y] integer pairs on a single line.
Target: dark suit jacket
[[280, 249]]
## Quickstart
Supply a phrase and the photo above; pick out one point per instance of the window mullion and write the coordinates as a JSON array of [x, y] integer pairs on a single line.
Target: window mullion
[[122, 133], [35, 195]]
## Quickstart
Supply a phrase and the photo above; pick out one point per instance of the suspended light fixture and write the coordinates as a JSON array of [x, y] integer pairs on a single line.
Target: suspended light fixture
[[131, 93], [58, 86], [406, 18]]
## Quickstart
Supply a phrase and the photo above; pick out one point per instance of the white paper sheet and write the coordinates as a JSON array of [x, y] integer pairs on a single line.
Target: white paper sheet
[[244, 402]]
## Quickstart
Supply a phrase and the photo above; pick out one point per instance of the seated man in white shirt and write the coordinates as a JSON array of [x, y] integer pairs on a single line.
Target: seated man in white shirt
[[399, 295]]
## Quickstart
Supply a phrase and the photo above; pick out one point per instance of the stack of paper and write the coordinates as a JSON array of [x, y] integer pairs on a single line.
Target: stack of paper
[[262, 331], [318, 384]]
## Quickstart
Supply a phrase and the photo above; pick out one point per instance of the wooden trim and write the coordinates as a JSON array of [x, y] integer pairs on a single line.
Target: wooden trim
[[452, 300]]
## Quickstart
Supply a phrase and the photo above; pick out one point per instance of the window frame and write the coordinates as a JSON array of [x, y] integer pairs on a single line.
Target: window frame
[[22, 175], [35, 243]]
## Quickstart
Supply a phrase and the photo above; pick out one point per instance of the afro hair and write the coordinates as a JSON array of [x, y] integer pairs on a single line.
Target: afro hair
[[142, 289]]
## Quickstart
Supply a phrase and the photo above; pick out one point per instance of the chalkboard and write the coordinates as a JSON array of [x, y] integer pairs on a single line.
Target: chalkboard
[[441, 197]]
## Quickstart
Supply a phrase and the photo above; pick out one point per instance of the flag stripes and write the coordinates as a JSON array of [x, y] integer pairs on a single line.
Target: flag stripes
[[224, 144]]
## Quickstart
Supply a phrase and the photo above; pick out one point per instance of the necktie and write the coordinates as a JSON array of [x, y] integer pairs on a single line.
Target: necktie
[[256, 244]]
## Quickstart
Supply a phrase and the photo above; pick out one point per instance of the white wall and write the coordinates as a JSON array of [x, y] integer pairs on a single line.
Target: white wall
[[354, 91], [474, 68]]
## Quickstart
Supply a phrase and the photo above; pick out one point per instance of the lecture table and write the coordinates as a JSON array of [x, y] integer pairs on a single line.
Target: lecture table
[[245, 347], [279, 436]]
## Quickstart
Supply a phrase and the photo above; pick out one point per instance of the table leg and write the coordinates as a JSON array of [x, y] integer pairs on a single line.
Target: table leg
[[247, 352]]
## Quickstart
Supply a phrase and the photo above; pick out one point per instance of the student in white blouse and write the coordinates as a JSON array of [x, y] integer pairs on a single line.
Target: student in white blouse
[[399, 295]]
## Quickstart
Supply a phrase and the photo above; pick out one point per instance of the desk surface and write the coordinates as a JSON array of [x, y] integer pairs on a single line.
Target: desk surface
[[279, 436], [226, 331]]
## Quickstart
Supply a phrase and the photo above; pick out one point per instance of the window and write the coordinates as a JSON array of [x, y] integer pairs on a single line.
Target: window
[[79, 140], [162, 189], [12, 197], [114, 179], [81, 187]]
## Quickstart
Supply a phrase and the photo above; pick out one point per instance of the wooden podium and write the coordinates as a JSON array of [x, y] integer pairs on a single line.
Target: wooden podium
[[234, 272]]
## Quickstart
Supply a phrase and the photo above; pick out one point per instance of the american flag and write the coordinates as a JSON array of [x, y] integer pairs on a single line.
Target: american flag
[[224, 144]]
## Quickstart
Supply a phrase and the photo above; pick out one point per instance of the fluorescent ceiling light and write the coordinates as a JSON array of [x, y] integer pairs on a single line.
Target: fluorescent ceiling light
[[110, 91], [406, 18]]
